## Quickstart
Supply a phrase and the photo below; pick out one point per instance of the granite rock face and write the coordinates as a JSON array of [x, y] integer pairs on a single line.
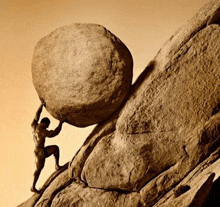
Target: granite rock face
[[162, 147], [83, 72], [170, 119]]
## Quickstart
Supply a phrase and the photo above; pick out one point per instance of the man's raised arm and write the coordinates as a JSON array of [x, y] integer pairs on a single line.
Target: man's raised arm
[[53, 133], [37, 116]]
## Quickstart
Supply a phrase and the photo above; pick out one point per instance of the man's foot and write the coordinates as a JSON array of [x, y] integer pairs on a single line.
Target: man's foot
[[34, 190], [58, 167]]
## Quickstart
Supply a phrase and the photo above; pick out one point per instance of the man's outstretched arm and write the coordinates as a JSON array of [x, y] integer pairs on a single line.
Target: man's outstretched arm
[[37, 116]]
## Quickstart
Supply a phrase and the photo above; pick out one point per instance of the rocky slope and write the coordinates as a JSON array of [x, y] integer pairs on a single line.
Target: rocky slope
[[161, 148]]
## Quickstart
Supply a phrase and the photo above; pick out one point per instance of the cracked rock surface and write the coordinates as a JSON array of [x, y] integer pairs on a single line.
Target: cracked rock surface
[[162, 147]]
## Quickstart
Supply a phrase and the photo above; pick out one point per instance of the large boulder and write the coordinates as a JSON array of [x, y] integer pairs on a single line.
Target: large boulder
[[83, 72]]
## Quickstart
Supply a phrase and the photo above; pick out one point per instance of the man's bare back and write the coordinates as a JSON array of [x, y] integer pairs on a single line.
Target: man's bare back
[[41, 152]]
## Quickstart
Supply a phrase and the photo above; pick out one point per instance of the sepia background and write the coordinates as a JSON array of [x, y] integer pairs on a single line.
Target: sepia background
[[143, 25]]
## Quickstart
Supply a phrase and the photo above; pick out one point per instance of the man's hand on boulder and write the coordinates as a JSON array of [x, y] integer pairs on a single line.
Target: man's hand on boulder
[[63, 119], [43, 103]]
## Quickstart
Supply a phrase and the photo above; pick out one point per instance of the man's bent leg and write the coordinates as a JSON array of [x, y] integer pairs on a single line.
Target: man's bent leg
[[53, 150]]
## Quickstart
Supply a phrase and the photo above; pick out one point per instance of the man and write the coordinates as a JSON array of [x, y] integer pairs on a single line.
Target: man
[[41, 152]]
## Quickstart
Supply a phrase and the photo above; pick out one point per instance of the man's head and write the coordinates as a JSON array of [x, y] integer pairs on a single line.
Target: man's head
[[45, 121]]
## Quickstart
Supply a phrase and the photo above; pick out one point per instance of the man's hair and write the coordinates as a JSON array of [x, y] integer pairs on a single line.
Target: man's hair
[[45, 120]]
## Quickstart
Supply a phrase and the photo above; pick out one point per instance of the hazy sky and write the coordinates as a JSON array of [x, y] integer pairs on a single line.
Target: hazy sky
[[143, 25]]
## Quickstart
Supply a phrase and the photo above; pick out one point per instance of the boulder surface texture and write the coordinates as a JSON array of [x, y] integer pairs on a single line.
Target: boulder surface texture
[[162, 147], [83, 72]]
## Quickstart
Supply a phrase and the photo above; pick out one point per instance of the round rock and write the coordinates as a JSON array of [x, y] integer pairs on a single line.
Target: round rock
[[83, 72]]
